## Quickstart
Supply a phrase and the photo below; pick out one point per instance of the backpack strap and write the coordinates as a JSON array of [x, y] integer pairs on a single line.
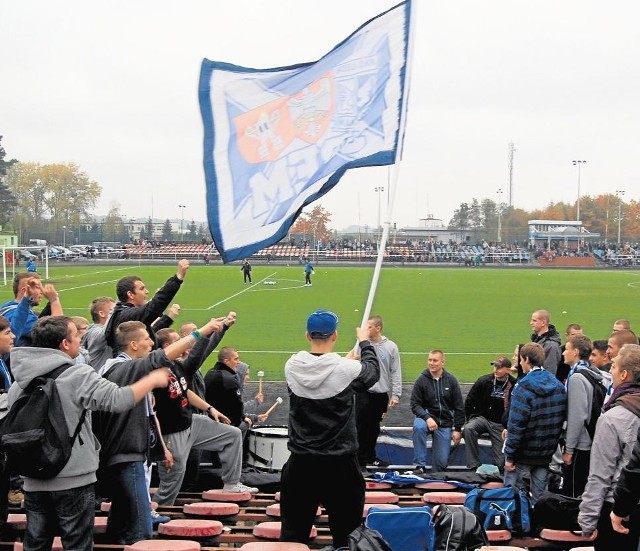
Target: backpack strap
[[54, 375]]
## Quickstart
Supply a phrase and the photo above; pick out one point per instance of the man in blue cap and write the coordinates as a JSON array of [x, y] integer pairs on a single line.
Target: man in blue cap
[[323, 466]]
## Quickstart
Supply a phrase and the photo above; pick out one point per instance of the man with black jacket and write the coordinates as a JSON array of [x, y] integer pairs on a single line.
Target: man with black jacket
[[546, 335], [132, 303], [323, 466], [484, 409], [436, 401]]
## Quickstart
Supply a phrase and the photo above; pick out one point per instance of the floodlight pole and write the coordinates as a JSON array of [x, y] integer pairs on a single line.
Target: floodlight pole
[[499, 192], [619, 194], [181, 207], [578, 164]]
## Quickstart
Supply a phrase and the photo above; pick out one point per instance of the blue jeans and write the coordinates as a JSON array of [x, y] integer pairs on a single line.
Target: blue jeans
[[440, 445], [69, 513], [130, 514], [538, 475]]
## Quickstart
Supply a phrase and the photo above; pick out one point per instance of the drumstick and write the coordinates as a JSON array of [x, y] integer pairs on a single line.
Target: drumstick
[[278, 401], [260, 377]]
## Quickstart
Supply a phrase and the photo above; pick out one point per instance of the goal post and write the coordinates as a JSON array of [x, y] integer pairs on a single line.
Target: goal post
[[14, 260]]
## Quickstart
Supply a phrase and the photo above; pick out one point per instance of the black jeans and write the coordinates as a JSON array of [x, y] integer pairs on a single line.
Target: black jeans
[[309, 480]]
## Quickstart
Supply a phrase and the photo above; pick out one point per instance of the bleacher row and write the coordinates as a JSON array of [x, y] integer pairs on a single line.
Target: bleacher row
[[288, 252], [214, 520], [630, 258]]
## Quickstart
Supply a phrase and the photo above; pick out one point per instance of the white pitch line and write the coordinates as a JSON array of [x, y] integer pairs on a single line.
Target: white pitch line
[[100, 272], [87, 285], [240, 292]]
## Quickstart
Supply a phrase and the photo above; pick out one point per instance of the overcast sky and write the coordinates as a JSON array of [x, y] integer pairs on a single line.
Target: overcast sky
[[113, 85]]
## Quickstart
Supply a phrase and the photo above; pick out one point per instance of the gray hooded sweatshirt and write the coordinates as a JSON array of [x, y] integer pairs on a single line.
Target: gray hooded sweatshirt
[[80, 388]]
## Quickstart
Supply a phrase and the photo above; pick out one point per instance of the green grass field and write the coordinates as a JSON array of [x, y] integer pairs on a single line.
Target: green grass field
[[472, 314]]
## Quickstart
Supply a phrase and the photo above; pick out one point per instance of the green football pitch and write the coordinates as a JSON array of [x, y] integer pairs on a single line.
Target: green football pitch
[[473, 314]]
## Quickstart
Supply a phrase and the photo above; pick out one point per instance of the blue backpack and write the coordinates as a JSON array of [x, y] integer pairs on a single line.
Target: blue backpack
[[501, 509], [405, 529]]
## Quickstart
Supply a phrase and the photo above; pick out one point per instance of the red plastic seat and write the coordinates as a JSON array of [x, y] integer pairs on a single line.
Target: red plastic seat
[[100, 525], [451, 498], [564, 535], [163, 545], [17, 521], [220, 495], [55, 546], [492, 485], [191, 528], [211, 509], [381, 497], [435, 486], [377, 485], [498, 535], [271, 530]]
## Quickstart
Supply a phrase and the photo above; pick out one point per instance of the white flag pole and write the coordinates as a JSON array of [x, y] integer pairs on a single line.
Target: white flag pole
[[394, 171]]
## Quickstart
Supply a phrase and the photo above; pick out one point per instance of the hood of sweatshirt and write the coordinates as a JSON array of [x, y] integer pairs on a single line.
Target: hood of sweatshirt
[[630, 402], [27, 363], [541, 382], [322, 376]]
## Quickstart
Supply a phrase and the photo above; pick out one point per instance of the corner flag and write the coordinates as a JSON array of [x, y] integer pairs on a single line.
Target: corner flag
[[278, 139]]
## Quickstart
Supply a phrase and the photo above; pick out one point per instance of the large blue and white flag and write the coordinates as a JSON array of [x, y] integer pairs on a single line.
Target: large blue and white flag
[[278, 139]]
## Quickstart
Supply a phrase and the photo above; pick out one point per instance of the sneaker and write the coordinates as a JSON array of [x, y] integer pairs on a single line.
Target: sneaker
[[420, 470], [239, 488], [377, 462], [15, 497], [157, 518]]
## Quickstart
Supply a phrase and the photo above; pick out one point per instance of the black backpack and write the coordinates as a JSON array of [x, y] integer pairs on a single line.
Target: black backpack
[[367, 539], [457, 529], [34, 435], [599, 393]]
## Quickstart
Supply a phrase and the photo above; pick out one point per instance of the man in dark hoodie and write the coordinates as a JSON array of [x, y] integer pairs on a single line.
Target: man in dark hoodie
[[132, 302], [536, 415], [125, 436], [546, 336], [67, 501], [436, 401], [323, 466]]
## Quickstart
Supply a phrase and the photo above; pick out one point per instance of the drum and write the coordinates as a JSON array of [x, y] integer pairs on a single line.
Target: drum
[[268, 448]]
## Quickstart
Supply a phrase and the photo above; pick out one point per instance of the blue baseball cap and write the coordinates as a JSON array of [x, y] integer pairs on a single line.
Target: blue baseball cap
[[322, 324]]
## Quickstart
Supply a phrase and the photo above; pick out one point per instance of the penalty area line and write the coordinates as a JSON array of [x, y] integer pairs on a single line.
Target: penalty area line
[[240, 292]]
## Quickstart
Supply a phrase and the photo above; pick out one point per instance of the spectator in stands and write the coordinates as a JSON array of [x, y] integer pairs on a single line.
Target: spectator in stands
[[184, 430], [28, 286], [323, 465], [67, 501], [563, 368], [223, 390], [94, 341], [536, 414], [600, 360], [372, 403], [6, 379], [621, 325], [124, 437], [244, 376], [132, 295], [616, 433], [246, 270], [437, 403], [484, 409], [545, 334], [580, 396], [81, 325], [618, 339]]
